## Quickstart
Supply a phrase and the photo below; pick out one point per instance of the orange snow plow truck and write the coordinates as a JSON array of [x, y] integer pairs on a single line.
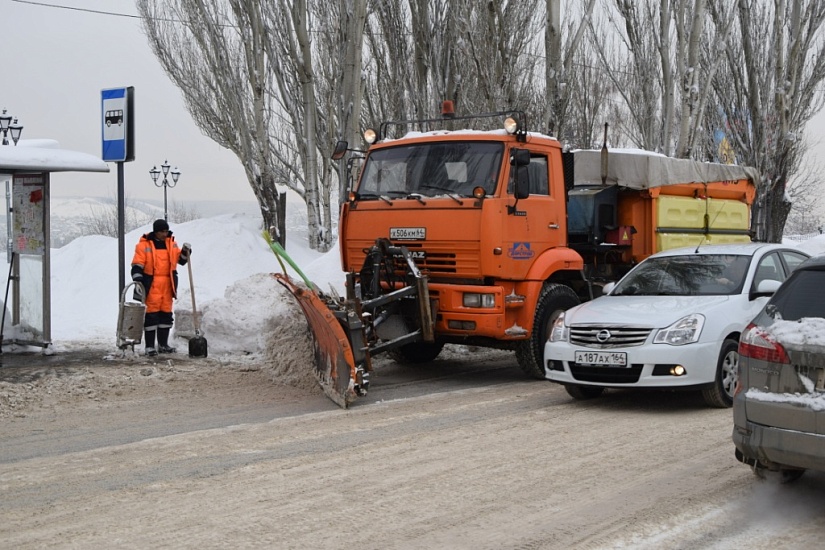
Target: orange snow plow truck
[[453, 233]]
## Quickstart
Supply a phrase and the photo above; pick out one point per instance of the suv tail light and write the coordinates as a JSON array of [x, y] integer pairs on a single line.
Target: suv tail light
[[756, 343]]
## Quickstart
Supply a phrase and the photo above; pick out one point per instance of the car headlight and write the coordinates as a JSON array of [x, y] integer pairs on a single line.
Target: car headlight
[[684, 331], [559, 332]]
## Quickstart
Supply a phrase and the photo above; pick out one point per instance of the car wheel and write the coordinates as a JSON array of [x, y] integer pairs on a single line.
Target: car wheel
[[583, 392], [553, 299], [419, 352], [720, 393]]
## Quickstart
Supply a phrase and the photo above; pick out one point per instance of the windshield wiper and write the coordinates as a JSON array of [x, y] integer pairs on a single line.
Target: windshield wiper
[[456, 198], [418, 197]]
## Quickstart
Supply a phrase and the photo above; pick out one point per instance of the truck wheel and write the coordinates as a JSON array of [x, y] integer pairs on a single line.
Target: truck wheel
[[720, 393], [583, 392], [419, 352], [553, 299]]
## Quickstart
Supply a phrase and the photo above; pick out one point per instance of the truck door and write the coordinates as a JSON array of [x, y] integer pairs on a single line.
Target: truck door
[[537, 222]]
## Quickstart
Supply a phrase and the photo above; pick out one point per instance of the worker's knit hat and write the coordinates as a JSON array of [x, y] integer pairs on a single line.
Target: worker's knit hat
[[160, 225]]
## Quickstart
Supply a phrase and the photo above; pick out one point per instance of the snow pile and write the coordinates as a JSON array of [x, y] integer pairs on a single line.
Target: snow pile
[[250, 311], [812, 401], [806, 334]]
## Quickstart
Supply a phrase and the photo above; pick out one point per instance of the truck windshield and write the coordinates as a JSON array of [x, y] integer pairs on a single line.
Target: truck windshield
[[692, 275], [432, 169]]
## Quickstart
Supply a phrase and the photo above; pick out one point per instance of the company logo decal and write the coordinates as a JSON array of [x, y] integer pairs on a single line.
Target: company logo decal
[[520, 251]]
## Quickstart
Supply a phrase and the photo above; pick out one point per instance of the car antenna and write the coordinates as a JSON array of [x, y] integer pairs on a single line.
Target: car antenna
[[708, 222]]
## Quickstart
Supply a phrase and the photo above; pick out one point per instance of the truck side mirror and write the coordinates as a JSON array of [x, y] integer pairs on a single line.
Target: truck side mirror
[[520, 157], [522, 190], [520, 160], [340, 150]]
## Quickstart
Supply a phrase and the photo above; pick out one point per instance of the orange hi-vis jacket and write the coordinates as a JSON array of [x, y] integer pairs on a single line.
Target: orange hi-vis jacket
[[156, 268]]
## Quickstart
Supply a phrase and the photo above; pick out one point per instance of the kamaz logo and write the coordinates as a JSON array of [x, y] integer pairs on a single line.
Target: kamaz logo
[[520, 251]]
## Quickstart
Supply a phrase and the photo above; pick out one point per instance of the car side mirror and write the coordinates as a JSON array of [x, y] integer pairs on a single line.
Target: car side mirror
[[765, 288], [606, 289]]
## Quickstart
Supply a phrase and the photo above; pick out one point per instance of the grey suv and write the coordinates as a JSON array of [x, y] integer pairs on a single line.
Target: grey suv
[[779, 403]]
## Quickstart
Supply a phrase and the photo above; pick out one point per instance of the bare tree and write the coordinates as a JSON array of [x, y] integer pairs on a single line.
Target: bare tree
[[804, 193], [102, 219], [481, 55], [180, 212], [568, 86], [213, 50], [769, 90], [651, 51]]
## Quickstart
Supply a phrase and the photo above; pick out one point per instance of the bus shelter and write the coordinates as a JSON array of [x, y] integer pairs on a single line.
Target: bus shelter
[[26, 170]]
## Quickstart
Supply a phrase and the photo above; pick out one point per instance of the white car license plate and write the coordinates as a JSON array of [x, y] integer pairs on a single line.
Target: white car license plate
[[602, 358], [408, 233]]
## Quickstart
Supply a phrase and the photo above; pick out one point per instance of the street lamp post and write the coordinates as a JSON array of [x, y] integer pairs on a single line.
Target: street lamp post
[[155, 174], [8, 127]]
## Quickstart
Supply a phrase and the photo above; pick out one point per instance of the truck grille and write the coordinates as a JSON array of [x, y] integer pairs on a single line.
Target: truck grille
[[608, 336], [461, 259]]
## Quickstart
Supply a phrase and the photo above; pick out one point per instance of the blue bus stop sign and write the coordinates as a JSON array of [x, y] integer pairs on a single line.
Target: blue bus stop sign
[[116, 111]]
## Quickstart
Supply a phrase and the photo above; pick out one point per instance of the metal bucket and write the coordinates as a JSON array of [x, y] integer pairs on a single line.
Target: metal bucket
[[130, 319]]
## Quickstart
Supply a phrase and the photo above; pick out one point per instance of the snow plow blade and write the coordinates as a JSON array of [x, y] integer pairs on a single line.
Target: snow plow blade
[[338, 366]]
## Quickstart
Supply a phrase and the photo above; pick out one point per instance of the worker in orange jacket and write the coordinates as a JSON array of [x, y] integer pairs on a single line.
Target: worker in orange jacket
[[154, 265]]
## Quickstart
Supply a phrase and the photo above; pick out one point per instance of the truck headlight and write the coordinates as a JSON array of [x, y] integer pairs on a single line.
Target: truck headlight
[[559, 332], [474, 299], [684, 331]]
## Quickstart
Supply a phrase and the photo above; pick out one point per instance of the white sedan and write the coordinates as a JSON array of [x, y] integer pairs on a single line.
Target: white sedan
[[672, 322]]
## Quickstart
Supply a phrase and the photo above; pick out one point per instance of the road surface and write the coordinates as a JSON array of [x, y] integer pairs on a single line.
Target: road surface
[[461, 453]]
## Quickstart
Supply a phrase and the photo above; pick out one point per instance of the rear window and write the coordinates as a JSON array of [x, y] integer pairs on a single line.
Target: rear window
[[801, 296]]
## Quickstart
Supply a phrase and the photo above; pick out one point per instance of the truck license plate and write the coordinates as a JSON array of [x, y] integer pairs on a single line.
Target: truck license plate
[[602, 358], [408, 233]]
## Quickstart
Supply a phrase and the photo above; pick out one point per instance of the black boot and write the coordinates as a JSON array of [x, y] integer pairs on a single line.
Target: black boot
[[163, 341], [150, 343]]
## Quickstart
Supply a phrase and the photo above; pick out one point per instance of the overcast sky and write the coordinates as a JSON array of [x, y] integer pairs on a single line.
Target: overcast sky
[[53, 64]]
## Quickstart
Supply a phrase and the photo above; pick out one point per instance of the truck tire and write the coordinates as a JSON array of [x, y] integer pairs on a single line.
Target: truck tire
[[553, 299], [419, 352], [720, 393]]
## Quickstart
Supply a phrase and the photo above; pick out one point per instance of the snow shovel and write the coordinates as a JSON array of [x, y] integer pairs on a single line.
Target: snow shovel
[[197, 344]]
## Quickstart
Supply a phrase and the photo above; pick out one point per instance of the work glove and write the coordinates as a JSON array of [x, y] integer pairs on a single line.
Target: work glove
[[186, 251], [138, 291]]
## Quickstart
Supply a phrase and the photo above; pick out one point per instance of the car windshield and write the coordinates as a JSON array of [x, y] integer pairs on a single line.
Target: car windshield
[[689, 275], [432, 169]]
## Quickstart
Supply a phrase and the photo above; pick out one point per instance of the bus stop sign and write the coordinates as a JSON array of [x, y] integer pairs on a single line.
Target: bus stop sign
[[117, 109]]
